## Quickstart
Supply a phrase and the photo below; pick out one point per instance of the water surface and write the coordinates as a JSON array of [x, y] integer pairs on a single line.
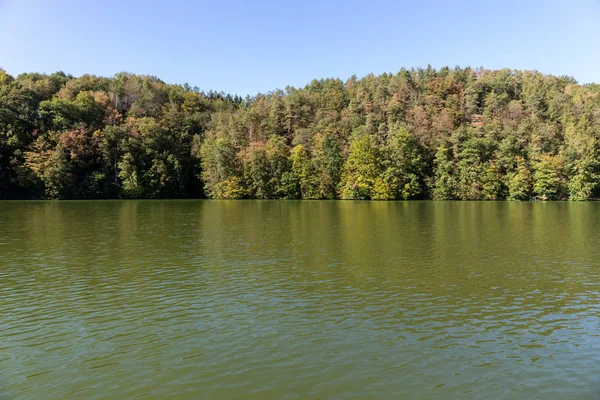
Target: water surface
[[310, 300]]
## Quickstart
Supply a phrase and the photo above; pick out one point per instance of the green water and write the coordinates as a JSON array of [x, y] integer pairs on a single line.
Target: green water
[[308, 300]]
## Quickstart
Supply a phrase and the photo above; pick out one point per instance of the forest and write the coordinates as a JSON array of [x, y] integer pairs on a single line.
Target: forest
[[447, 134]]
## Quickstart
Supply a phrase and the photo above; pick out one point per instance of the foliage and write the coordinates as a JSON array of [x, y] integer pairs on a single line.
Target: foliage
[[461, 133], [361, 171]]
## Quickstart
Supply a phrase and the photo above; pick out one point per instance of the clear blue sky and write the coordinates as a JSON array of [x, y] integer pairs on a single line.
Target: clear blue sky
[[246, 47]]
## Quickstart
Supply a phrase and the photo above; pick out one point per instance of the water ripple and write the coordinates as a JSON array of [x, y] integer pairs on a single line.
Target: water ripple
[[103, 300]]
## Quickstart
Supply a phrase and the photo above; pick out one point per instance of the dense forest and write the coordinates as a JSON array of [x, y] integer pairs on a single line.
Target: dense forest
[[468, 134]]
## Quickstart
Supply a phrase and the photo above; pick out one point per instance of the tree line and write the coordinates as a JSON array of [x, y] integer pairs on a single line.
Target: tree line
[[461, 133]]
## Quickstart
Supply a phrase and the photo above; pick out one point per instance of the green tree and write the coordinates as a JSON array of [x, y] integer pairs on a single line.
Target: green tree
[[327, 161], [221, 169], [49, 166], [277, 153], [548, 181], [520, 181], [582, 154], [256, 171], [404, 167], [444, 180], [302, 172], [361, 171]]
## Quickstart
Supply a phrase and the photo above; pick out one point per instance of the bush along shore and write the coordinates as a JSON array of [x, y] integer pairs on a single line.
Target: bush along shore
[[460, 134]]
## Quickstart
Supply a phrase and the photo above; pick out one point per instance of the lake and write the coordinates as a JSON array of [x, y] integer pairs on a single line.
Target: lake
[[299, 299]]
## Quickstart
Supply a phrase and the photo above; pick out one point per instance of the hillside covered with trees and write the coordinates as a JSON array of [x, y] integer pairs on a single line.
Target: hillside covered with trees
[[468, 134]]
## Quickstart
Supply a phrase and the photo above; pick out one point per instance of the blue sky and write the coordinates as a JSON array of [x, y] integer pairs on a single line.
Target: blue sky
[[246, 47]]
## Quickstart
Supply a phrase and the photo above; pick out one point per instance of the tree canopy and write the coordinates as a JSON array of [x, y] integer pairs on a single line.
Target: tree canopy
[[453, 133]]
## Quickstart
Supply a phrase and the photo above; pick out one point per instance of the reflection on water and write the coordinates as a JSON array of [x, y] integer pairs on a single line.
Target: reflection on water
[[313, 299]]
